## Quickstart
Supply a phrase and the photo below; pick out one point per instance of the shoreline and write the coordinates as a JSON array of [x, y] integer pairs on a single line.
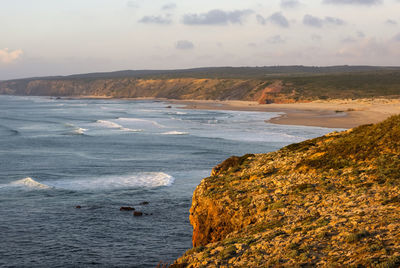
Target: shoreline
[[329, 114], [338, 113]]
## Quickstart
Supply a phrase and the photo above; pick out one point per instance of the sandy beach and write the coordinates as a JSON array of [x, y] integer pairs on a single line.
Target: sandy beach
[[332, 113]]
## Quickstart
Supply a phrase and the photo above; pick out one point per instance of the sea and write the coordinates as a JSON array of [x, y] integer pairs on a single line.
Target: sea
[[102, 154]]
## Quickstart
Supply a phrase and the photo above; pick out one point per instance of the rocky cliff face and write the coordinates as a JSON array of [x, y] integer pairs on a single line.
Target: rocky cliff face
[[333, 200], [180, 88]]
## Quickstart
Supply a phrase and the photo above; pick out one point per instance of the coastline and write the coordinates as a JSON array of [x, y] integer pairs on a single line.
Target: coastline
[[338, 113], [331, 114]]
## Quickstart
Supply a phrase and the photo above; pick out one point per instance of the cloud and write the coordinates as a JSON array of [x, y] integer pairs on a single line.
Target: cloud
[[333, 21], [369, 50], [391, 22], [7, 56], [313, 21], [184, 45], [278, 19], [216, 17], [276, 39], [397, 37], [168, 6], [156, 20], [261, 20], [353, 2], [290, 4]]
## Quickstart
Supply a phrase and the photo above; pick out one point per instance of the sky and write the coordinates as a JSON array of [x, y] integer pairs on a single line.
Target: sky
[[61, 37]]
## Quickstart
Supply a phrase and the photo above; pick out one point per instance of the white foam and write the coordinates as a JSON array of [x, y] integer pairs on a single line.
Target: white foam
[[76, 130], [177, 113], [139, 120], [175, 133], [109, 124], [145, 179], [29, 183], [79, 131]]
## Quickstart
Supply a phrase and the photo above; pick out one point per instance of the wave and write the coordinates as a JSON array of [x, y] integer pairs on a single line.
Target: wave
[[177, 113], [29, 183], [175, 133], [124, 119], [75, 130], [144, 179], [79, 131], [109, 124]]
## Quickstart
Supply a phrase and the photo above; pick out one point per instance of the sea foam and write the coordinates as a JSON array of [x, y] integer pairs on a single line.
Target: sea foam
[[112, 182], [145, 179], [175, 133], [29, 183], [109, 124], [139, 120], [76, 130]]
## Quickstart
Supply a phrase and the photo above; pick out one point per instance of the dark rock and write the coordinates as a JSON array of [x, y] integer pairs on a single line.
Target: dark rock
[[144, 203], [127, 209], [169, 107], [137, 213], [78, 207]]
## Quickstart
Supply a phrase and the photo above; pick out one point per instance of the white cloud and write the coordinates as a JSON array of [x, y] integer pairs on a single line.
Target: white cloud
[[216, 17], [7, 56], [353, 2], [290, 4], [313, 21]]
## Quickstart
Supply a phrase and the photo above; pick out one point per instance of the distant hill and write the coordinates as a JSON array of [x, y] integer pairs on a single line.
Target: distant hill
[[220, 72], [332, 201], [279, 84]]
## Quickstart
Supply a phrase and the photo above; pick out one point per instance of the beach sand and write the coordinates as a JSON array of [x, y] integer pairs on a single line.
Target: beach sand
[[332, 113]]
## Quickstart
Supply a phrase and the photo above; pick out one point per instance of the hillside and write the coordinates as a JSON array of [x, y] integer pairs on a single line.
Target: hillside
[[332, 200], [263, 84]]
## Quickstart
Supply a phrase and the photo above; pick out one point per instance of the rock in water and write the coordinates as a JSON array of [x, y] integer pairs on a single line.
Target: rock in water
[[127, 209], [137, 213]]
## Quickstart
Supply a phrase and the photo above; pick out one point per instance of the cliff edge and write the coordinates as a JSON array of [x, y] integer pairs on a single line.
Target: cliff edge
[[265, 84], [333, 200]]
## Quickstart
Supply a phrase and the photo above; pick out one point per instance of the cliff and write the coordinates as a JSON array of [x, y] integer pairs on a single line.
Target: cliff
[[332, 200], [264, 84]]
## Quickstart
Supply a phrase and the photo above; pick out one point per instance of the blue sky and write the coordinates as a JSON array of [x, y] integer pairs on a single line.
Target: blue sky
[[59, 37]]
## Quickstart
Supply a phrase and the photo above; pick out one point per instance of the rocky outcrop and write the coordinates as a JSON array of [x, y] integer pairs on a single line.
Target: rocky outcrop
[[333, 200]]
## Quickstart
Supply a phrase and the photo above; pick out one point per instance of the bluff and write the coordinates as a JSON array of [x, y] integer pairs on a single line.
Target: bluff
[[330, 201], [262, 84]]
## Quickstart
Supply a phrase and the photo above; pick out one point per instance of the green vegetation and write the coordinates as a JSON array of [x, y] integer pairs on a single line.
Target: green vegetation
[[373, 148]]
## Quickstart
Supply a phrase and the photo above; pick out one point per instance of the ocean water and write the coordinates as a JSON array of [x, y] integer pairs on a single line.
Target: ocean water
[[104, 154]]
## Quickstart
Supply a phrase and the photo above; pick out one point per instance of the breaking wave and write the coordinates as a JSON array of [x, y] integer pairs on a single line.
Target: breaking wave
[[145, 179], [75, 130], [138, 120], [109, 124], [175, 133], [29, 183]]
